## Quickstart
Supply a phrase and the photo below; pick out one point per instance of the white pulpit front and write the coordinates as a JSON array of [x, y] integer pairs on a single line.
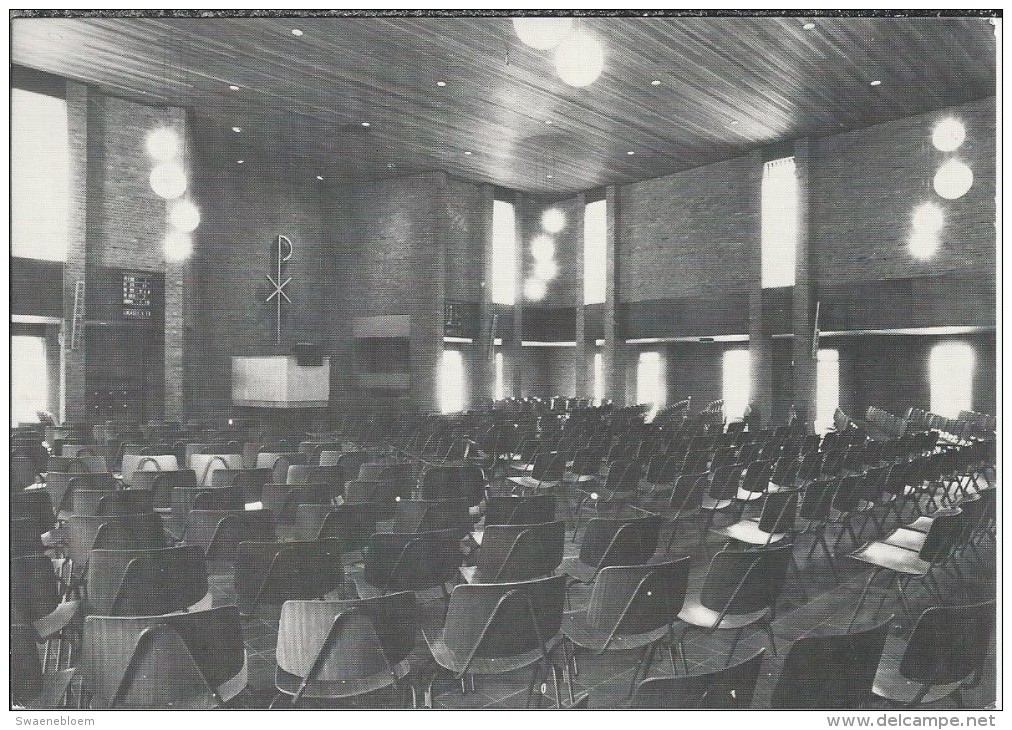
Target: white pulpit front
[[279, 381]]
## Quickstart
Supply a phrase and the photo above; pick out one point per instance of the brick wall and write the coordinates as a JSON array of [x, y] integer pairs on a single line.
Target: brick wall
[[865, 185]]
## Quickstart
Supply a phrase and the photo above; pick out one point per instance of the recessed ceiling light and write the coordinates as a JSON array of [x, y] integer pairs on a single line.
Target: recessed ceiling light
[[549, 177], [549, 121], [655, 82], [876, 82], [365, 124], [440, 83], [630, 152], [319, 177], [468, 152], [296, 32], [808, 26], [391, 165], [239, 162], [233, 87], [237, 129]]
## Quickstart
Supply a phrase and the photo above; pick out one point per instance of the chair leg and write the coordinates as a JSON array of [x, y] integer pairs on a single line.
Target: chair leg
[[555, 681], [534, 680], [864, 595], [769, 632], [734, 645], [568, 675]]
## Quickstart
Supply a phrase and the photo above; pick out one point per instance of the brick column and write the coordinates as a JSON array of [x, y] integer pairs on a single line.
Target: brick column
[[803, 387], [614, 348], [514, 350], [581, 364], [760, 342], [484, 385], [74, 395], [178, 281]]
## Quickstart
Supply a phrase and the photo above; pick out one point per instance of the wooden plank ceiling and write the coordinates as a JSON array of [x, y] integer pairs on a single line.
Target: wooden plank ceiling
[[727, 85]]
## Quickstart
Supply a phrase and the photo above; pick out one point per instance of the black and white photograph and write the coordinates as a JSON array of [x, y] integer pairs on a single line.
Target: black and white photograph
[[392, 360]]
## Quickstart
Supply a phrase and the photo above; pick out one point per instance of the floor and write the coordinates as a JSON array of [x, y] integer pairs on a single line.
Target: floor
[[826, 604]]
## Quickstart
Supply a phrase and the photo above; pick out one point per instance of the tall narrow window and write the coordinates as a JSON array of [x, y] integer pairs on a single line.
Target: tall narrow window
[[29, 383], [779, 222], [451, 382], [598, 378], [40, 176], [504, 253], [650, 388], [827, 388], [500, 381], [595, 252], [736, 384], [951, 372]]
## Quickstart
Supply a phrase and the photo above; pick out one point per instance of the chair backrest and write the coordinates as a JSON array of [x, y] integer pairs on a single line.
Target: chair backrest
[[500, 620], [778, 511], [412, 561], [218, 498], [35, 505], [687, 493], [205, 464], [636, 599], [453, 482], [945, 530], [743, 582], [724, 482], [183, 660], [350, 462], [949, 644], [145, 582], [34, 589], [25, 537], [137, 462], [87, 532], [161, 484], [511, 553], [817, 500], [520, 510], [218, 533], [273, 573], [586, 461], [624, 475], [608, 541], [352, 524], [726, 689], [834, 672], [337, 641], [426, 515], [120, 502]]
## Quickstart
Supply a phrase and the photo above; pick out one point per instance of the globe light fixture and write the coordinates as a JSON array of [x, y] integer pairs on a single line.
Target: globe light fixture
[[535, 289], [542, 33], [178, 246], [168, 180], [579, 59], [953, 180], [553, 220], [184, 216], [948, 135], [543, 248], [163, 144]]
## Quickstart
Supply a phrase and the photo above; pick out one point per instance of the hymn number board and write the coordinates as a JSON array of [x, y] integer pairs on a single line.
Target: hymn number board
[[137, 295]]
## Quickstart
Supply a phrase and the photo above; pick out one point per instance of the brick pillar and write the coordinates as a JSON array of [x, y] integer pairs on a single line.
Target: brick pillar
[[74, 394], [760, 342], [581, 363], [514, 350], [614, 349], [484, 371], [178, 281], [803, 387]]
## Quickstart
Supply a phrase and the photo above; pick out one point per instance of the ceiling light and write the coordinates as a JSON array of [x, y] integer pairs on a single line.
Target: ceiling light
[[237, 129], [233, 87], [923, 244], [549, 177], [876, 82], [440, 83], [579, 59], [808, 26], [239, 162], [630, 152], [391, 165], [296, 32], [553, 220], [928, 218], [953, 180], [948, 135], [184, 216], [546, 269], [163, 144], [365, 124], [542, 33], [168, 180], [468, 152], [549, 121], [655, 82], [319, 177]]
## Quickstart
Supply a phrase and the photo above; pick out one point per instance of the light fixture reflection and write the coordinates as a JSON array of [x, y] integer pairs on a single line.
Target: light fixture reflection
[[178, 246], [168, 180], [163, 144], [543, 248], [534, 289], [184, 216], [553, 220]]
